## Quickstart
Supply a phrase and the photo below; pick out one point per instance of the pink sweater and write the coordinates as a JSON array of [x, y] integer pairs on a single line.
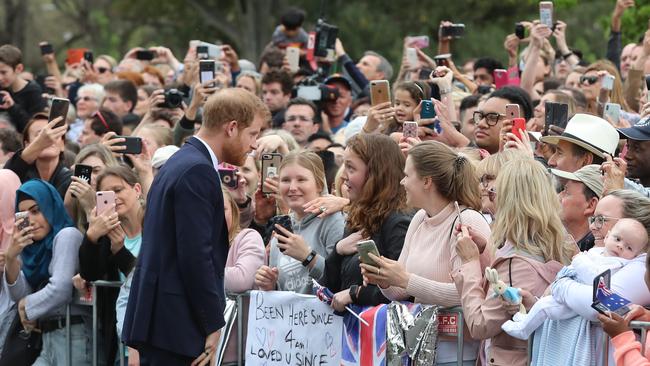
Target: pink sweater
[[430, 257], [627, 350], [245, 256]]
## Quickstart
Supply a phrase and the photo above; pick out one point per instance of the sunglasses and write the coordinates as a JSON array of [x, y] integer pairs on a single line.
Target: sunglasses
[[591, 80], [102, 70], [85, 99]]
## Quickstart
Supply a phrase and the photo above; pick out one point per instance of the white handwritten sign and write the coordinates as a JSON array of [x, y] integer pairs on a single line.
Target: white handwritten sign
[[285, 328]]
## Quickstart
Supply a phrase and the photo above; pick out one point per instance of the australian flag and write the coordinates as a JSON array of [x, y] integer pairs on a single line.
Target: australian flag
[[609, 300]]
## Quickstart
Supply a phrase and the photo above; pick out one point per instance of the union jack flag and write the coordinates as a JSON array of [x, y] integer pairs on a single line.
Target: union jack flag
[[323, 293], [607, 297], [365, 345]]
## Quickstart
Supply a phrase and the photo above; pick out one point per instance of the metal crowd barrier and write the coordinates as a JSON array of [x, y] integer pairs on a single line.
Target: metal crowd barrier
[[240, 298], [79, 300]]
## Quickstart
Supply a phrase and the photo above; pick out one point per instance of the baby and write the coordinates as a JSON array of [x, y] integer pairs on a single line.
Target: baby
[[625, 242]]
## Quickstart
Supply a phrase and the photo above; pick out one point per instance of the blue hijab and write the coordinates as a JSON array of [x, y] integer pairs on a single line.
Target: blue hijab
[[37, 256]]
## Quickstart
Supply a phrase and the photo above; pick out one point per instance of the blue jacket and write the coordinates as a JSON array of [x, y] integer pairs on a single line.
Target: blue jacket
[[177, 296]]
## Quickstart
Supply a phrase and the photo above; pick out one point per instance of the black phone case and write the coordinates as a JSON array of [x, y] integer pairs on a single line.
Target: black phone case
[[229, 178], [83, 171], [59, 108], [133, 145], [284, 221]]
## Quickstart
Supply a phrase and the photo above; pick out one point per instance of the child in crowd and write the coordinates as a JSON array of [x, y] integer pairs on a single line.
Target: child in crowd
[[625, 243]]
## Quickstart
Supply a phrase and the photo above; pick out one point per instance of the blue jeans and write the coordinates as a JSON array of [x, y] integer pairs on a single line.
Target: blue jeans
[[55, 347]]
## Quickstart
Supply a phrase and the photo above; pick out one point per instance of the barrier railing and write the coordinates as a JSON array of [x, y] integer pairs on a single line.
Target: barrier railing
[[91, 301], [458, 311]]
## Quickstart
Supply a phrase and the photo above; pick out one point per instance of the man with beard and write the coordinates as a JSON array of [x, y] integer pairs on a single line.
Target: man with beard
[[177, 298]]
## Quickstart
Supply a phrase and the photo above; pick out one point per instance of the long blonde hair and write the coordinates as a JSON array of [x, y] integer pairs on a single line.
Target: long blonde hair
[[234, 211], [528, 212]]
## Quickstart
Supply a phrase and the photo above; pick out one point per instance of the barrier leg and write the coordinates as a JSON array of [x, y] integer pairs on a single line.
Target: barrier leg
[[644, 334], [120, 350], [459, 339], [68, 338], [240, 331], [94, 294], [530, 348], [605, 349]]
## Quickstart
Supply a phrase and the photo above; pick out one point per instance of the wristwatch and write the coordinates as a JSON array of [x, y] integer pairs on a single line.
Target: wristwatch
[[354, 290], [309, 258]]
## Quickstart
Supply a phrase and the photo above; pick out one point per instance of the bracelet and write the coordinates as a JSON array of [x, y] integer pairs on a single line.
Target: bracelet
[[444, 91]]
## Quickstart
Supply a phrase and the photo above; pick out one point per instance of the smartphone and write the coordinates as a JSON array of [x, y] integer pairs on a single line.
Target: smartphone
[[546, 13], [500, 78], [83, 171], [133, 144], [202, 52], [647, 85], [427, 110], [105, 199], [604, 299], [88, 56], [145, 55], [518, 127], [608, 82], [22, 219], [229, 177], [520, 31], [285, 222], [270, 167], [454, 31], [442, 60], [379, 92], [613, 111], [512, 111], [412, 56], [364, 248], [46, 48], [293, 57], [410, 129], [206, 71], [556, 114], [59, 108], [418, 41]]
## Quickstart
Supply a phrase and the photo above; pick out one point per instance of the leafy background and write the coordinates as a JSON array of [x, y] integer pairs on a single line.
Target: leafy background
[[115, 26]]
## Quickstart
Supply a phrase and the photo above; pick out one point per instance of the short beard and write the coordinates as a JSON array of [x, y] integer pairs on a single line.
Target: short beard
[[233, 154]]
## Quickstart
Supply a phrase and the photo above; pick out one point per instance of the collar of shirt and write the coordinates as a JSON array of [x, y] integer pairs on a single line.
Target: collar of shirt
[[213, 157]]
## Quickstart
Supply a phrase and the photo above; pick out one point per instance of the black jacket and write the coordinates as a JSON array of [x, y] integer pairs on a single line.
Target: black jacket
[[341, 272], [97, 262], [28, 100], [60, 179]]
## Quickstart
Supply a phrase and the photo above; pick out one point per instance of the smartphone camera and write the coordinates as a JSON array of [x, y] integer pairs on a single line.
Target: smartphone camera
[[46, 49], [520, 31], [173, 99], [88, 56]]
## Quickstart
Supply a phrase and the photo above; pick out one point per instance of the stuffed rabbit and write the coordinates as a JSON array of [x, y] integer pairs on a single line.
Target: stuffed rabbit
[[510, 294]]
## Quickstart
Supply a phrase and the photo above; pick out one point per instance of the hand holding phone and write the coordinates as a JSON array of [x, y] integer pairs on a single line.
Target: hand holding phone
[[518, 127], [608, 82], [46, 48], [133, 144], [206, 72], [546, 13], [364, 248], [83, 171], [105, 202], [22, 220], [379, 92]]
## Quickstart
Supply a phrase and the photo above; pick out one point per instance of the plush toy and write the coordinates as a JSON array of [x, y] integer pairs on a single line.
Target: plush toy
[[510, 294]]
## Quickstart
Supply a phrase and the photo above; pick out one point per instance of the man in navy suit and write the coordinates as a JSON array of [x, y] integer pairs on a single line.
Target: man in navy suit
[[177, 297]]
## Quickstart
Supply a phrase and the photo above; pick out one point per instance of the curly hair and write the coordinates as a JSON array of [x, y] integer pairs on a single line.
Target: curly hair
[[382, 193]]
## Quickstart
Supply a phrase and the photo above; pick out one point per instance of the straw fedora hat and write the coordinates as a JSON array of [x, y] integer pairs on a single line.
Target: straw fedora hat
[[589, 132]]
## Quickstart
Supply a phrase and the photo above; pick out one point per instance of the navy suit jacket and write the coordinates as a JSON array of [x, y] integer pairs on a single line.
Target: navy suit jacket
[[177, 295]]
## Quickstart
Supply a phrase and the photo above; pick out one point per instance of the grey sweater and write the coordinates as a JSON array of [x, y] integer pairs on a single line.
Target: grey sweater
[[321, 235], [51, 300]]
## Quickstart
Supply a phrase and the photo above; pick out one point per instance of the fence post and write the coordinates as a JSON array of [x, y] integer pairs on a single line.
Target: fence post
[[68, 339]]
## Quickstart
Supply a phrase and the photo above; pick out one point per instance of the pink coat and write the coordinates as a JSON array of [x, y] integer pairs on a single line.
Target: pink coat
[[245, 256], [484, 314], [627, 350]]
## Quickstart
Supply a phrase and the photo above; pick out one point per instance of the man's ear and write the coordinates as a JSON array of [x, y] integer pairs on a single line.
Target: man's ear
[[130, 104], [591, 206], [19, 68], [231, 128]]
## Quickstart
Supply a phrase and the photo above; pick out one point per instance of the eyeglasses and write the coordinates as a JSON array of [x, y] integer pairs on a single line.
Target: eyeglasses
[[599, 220], [591, 80], [102, 70], [486, 179], [491, 118], [298, 118], [85, 99]]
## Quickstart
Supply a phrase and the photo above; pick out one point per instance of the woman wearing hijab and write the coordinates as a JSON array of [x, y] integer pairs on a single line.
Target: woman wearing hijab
[[9, 183], [41, 280]]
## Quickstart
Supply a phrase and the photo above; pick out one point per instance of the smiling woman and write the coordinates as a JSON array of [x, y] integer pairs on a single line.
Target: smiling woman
[[297, 257]]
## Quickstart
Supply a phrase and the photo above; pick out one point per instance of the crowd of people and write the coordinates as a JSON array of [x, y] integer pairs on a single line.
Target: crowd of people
[[443, 178]]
